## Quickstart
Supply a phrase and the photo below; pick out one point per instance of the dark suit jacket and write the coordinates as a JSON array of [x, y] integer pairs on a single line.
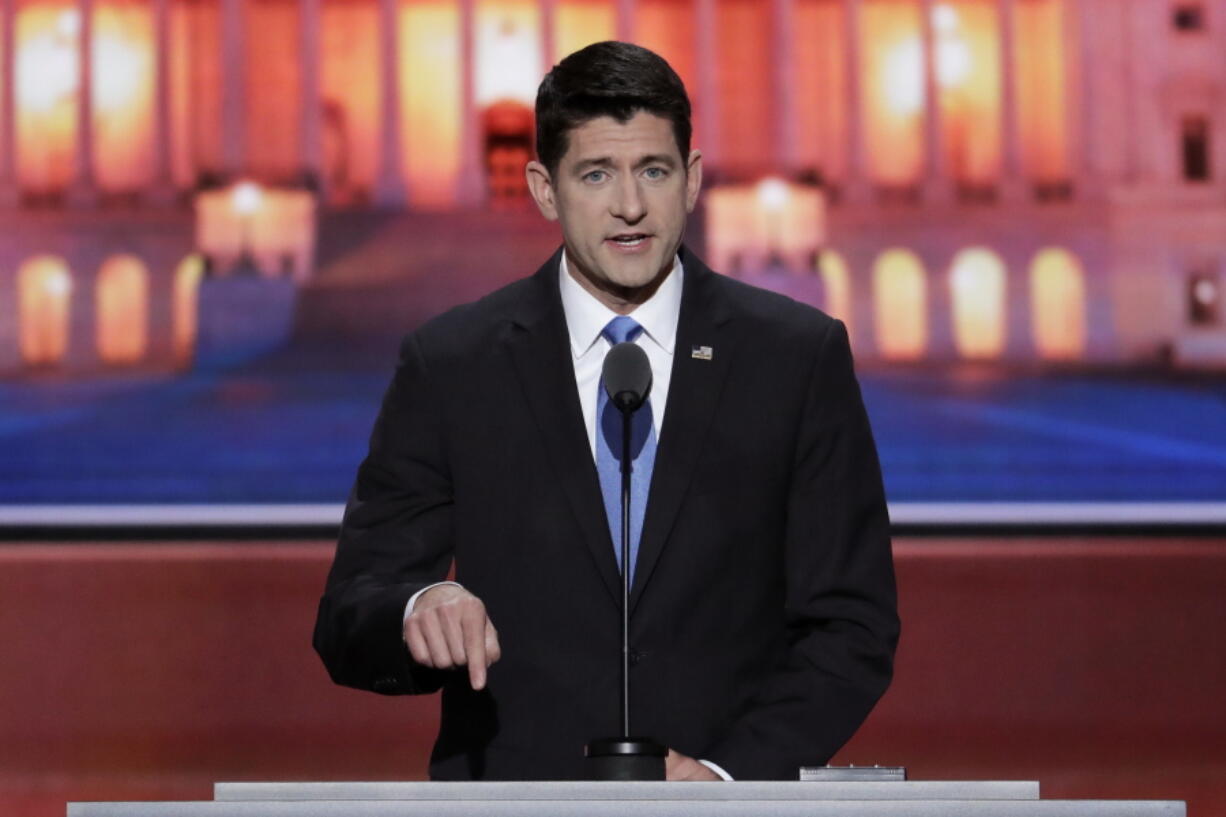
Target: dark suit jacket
[[763, 611]]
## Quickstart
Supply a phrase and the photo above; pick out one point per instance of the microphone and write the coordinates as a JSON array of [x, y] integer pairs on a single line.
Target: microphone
[[627, 376], [627, 380]]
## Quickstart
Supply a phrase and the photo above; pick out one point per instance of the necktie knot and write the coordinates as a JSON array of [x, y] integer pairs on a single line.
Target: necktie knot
[[621, 329]]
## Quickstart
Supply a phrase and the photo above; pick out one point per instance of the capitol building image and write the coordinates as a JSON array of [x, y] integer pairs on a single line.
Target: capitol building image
[[1022, 182]]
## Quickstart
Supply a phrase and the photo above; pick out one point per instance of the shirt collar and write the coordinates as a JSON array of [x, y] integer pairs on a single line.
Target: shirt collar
[[586, 316]]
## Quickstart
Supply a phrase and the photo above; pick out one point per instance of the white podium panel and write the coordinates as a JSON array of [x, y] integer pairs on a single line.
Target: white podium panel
[[741, 790], [677, 807]]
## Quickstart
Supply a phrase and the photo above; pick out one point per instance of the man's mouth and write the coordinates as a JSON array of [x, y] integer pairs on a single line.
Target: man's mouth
[[629, 240]]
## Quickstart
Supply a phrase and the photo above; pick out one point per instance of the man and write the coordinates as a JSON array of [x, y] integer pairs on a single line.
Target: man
[[763, 617]]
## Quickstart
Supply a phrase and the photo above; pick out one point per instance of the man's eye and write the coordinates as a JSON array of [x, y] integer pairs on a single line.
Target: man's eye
[[594, 176], [656, 172]]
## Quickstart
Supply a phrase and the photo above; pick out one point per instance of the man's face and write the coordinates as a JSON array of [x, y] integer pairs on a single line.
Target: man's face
[[621, 193]]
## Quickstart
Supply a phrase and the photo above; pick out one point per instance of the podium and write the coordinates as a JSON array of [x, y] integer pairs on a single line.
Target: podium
[[643, 799]]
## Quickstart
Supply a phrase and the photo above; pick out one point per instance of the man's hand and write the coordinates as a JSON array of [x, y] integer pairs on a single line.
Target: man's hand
[[681, 767], [449, 628]]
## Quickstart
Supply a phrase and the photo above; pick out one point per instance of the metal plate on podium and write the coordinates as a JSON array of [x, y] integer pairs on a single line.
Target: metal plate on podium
[[682, 804], [565, 790]]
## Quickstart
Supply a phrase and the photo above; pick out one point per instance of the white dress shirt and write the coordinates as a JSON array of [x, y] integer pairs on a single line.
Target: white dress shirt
[[586, 317]]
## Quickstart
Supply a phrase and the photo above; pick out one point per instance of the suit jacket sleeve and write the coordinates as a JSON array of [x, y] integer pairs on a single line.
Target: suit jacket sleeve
[[840, 601], [396, 538]]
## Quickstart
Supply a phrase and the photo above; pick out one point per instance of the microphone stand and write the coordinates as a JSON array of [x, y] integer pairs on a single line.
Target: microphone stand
[[625, 757], [626, 469]]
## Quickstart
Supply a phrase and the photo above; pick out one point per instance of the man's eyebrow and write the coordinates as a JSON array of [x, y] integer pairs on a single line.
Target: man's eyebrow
[[657, 159], [605, 161]]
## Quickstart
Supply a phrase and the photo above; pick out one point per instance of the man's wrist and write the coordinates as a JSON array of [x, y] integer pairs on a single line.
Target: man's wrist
[[408, 608], [716, 768]]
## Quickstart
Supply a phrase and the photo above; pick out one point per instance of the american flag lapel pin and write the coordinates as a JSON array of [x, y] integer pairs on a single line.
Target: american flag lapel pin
[[701, 352]]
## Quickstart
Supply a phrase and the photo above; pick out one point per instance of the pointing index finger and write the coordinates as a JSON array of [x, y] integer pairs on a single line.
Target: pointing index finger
[[474, 645]]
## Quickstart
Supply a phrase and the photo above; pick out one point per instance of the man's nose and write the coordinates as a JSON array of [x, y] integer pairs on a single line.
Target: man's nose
[[628, 204]]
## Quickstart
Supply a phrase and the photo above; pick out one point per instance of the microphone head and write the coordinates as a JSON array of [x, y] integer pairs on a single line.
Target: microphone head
[[626, 376]]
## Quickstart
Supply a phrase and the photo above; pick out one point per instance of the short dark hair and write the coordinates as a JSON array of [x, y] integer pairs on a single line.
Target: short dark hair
[[607, 79]]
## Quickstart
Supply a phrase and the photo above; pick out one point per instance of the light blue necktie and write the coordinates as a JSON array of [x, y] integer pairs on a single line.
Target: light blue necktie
[[609, 453]]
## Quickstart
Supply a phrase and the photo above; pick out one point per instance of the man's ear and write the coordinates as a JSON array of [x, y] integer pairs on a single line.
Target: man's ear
[[693, 179], [541, 188]]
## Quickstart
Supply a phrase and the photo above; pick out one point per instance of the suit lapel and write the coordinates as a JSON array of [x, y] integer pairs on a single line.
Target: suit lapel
[[693, 394], [540, 348]]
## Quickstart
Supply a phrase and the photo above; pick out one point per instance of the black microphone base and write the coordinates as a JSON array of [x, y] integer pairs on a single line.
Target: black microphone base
[[625, 759]]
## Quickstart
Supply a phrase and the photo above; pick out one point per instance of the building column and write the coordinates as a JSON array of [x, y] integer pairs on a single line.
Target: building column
[[549, 33], [855, 187], [940, 344], [624, 26], [233, 88], [706, 22], [161, 187], [1019, 325], [863, 304], [1102, 341], [787, 140], [390, 189], [9, 190], [161, 336], [1072, 96], [1085, 174], [81, 352], [937, 187], [1128, 83], [1012, 187], [83, 191], [470, 186], [310, 107], [10, 342]]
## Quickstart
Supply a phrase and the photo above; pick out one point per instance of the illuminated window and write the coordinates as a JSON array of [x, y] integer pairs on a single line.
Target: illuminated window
[[836, 282], [429, 43], [45, 75], [1194, 143], [1043, 82], [977, 281], [579, 23], [900, 305], [1057, 287], [43, 285], [123, 310], [123, 94], [893, 92], [507, 53], [969, 81], [186, 289]]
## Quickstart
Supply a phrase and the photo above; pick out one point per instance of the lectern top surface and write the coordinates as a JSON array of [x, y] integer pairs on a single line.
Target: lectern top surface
[[642, 808], [576, 790]]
